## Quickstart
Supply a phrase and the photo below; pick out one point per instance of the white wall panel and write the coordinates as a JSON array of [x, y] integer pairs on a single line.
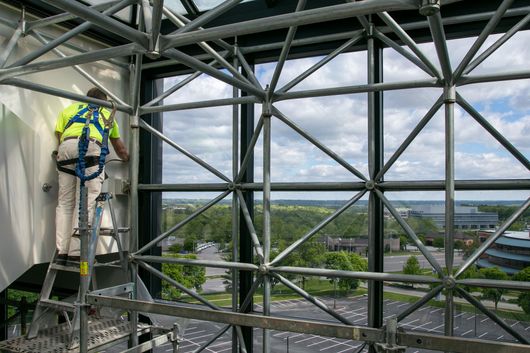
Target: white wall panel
[[27, 119]]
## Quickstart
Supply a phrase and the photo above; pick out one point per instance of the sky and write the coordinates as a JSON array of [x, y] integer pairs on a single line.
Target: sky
[[340, 123]]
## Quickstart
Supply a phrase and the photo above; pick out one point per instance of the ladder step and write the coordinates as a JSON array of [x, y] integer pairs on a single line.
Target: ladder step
[[57, 305], [110, 231], [103, 231], [69, 268]]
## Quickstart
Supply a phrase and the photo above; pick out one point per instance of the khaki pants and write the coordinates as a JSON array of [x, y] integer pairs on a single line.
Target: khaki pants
[[67, 211]]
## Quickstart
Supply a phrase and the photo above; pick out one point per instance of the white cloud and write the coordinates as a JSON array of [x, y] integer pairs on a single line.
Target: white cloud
[[340, 122]]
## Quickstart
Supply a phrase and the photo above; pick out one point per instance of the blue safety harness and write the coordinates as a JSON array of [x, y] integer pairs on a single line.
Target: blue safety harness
[[78, 118], [83, 161]]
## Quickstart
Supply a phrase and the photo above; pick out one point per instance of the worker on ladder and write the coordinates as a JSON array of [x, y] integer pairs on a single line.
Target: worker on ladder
[[68, 130]]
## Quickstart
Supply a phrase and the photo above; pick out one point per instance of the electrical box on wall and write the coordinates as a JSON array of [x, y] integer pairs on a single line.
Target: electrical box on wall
[[117, 186]]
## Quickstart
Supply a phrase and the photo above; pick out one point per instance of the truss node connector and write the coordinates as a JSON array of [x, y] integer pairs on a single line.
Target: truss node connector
[[450, 94], [449, 282], [370, 185], [267, 103], [153, 54], [264, 269], [370, 30], [429, 7], [390, 346], [135, 121], [23, 23]]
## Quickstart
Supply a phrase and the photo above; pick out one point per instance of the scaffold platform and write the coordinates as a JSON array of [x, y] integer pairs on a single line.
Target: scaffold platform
[[102, 333]]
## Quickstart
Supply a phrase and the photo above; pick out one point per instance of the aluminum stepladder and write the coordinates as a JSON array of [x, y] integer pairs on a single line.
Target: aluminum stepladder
[[89, 240]]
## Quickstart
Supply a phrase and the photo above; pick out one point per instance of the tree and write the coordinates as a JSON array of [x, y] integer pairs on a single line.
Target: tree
[[470, 272], [189, 243], [412, 267], [176, 248], [459, 244], [438, 242], [189, 276], [494, 294], [524, 297], [403, 241], [342, 260]]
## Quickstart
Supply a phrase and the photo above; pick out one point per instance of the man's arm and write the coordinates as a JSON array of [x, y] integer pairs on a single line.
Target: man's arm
[[58, 135], [120, 149]]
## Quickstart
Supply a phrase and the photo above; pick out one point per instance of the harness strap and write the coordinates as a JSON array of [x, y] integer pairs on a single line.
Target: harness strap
[[78, 118], [90, 161], [83, 145]]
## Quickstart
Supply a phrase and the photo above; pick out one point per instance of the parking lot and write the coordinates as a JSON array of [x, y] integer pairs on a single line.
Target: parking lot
[[427, 319]]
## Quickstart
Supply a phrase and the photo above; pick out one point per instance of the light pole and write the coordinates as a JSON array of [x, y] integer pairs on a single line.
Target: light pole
[[335, 293]]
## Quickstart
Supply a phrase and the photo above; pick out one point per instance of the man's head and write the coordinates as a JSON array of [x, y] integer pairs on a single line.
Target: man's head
[[95, 92]]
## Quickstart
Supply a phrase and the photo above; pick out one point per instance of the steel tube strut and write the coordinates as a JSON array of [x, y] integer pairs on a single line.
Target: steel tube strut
[[196, 105], [424, 300], [248, 220], [506, 76], [314, 300], [492, 316], [449, 101], [414, 133], [66, 16], [68, 35], [494, 283], [119, 51], [412, 235], [317, 15], [396, 28], [8, 49], [285, 50], [374, 87], [236, 336], [394, 186], [492, 23], [179, 286], [358, 36], [83, 72], [317, 144], [291, 248], [208, 49], [493, 132], [190, 155], [60, 93], [200, 66], [486, 53], [356, 333], [208, 16], [438, 36], [406, 54], [366, 275], [101, 20], [213, 339], [195, 262], [250, 150], [134, 168], [182, 223]]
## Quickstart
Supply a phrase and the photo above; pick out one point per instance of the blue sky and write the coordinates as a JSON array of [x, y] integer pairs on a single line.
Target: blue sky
[[340, 123]]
